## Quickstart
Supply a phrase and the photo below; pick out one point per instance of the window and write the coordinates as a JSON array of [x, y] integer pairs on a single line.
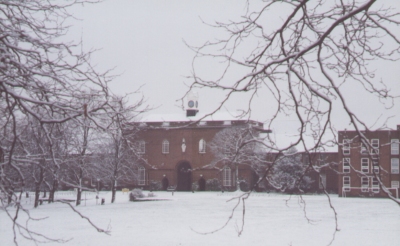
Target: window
[[226, 176], [364, 148], [364, 184], [375, 185], [395, 165], [375, 146], [165, 147], [346, 183], [346, 146], [364, 165], [141, 176], [142, 147], [395, 184], [375, 165], [202, 146], [394, 146], [346, 165]]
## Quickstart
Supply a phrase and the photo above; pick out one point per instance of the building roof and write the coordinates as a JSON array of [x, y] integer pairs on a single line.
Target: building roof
[[200, 120], [218, 116]]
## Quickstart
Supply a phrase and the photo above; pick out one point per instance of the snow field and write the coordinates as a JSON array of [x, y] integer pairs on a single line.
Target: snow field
[[270, 219]]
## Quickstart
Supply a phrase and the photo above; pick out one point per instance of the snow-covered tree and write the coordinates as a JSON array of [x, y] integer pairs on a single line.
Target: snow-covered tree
[[48, 82], [239, 145], [289, 173]]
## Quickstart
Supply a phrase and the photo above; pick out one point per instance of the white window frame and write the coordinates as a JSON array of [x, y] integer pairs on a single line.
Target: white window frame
[[346, 146], [375, 185], [394, 166], [375, 146], [165, 147], [364, 184], [141, 176], [202, 146], [346, 165], [346, 183], [227, 176], [395, 184], [365, 165], [142, 147], [394, 146]]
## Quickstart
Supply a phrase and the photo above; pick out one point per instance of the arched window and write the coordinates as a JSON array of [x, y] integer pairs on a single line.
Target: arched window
[[202, 146], [226, 176], [141, 176], [142, 147], [165, 147]]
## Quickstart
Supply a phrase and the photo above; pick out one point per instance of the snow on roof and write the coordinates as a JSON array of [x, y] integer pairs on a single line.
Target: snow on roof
[[218, 116]]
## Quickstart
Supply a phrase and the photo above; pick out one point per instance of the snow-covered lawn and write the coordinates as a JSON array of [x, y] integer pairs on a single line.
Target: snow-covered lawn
[[270, 219]]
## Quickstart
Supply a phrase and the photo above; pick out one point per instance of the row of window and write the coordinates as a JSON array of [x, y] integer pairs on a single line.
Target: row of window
[[394, 147], [367, 184], [165, 147], [374, 167]]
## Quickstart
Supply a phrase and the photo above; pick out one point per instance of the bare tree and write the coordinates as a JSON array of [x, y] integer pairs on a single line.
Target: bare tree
[[119, 159], [304, 60], [306, 56], [46, 81]]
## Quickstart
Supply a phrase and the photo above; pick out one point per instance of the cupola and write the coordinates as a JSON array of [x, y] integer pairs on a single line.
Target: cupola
[[192, 104]]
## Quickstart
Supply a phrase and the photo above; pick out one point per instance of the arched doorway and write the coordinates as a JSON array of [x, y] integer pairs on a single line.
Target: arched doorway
[[202, 184], [184, 174], [165, 183]]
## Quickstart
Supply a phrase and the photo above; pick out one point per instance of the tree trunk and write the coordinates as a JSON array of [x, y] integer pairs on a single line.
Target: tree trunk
[[78, 196], [37, 194], [10, 194], [53, 191], [79, 191], [37, 186], [113, 191], [237, 177]]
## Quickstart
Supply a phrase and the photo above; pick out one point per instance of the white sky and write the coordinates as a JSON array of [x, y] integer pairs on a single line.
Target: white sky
[[144, 41]]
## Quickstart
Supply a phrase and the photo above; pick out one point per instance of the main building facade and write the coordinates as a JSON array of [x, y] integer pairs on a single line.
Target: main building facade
[[175, 151]]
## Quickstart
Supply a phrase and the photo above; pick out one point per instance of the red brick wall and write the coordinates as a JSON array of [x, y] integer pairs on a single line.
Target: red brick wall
[[159, 164], [355, 156]]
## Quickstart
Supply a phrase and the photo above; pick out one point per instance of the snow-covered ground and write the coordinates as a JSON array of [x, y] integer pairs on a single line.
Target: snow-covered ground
[[270, 219]]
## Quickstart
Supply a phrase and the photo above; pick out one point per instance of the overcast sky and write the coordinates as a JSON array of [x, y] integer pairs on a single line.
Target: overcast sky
[[144, 41]]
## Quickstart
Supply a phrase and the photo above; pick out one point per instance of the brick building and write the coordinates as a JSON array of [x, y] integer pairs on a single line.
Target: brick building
[[366, 163], [176, 153]]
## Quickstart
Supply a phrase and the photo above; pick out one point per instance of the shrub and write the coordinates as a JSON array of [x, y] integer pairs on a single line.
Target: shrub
[[244, 186], [213, 185], [136, 193], [195, 186], [155, 185]]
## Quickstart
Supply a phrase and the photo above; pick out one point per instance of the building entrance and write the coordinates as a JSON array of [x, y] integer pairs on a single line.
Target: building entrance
[[184, 174]]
